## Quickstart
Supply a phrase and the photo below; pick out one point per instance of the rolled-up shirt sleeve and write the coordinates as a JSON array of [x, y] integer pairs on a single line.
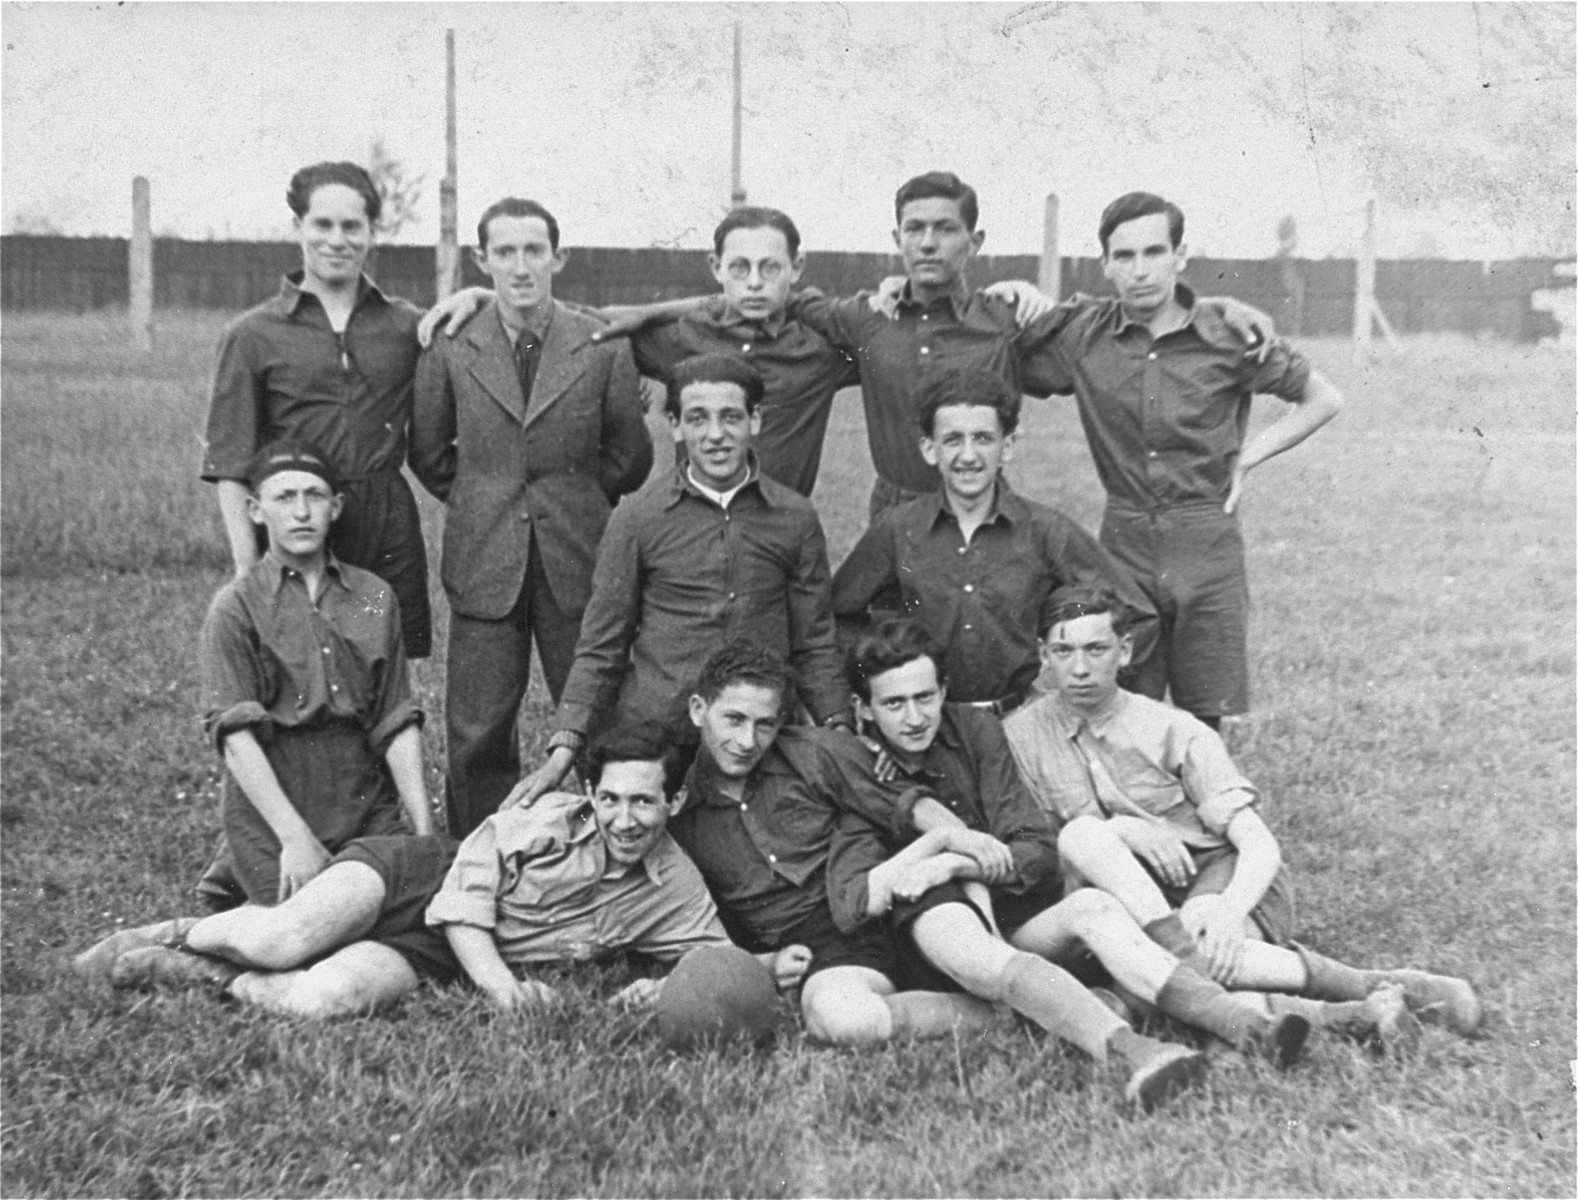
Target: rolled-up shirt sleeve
[[393, 708], [235, 409], [857, 849], [1285, 373], [1217, 788], [479, 876], [235, 685]]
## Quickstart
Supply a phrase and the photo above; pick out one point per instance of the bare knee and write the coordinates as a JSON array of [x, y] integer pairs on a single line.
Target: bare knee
[[1090, 908], [844, 1013], [330, 990], [1082, 837]]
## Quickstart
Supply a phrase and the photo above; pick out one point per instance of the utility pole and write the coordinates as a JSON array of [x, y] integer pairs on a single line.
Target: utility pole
[[139, 269], [447, 259], [737, 192]]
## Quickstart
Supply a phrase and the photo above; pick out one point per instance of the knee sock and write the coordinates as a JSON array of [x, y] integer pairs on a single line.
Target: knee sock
[[1059, 1003], [1328, 979], [1206, 1004], [929, 1014]]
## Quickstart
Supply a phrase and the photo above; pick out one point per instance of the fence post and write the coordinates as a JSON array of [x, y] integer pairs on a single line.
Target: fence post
[[139, 269], [446, 263], [1050, 277], [1364, 281]]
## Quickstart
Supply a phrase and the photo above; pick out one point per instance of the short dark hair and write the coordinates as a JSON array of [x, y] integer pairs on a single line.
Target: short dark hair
[[514, 206], [888, 644], [1076, 600], [943, 185], [1131, 207], [968, 386], [715, 368], [309, 179], [751, 216], [639, 741], [742, 661]]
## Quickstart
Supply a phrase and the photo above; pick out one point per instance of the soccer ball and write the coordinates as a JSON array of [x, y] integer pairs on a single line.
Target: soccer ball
[[717, 993]]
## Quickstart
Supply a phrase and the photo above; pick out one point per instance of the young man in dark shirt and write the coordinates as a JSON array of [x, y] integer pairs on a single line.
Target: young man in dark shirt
[[974, 563], [709, 550]]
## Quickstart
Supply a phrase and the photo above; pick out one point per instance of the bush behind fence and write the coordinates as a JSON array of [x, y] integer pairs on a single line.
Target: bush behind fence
[[1312, 297]]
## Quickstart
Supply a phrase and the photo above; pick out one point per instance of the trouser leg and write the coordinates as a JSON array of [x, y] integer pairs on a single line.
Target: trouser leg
[[489, 666], [553, 629]]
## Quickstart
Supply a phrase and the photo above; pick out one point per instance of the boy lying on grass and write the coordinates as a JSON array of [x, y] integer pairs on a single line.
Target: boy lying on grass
[[1157, 815], [569, 879]]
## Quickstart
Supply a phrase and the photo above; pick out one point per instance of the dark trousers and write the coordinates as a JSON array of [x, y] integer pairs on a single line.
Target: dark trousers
[[1189, 559], [489, 668]]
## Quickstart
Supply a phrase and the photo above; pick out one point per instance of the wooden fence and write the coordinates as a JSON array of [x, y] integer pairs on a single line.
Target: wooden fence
[[1306, 296]]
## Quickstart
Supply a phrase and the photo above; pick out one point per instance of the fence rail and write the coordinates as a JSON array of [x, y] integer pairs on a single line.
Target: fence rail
[[1306, 296]]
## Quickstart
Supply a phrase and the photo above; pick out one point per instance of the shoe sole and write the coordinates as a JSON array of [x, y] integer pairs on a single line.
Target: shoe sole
[[1156, 1081], [98, 961], [1285, 1040]]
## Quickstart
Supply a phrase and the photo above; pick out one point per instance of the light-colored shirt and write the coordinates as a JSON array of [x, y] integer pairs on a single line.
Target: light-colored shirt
[[541, 879], [1137, 758]]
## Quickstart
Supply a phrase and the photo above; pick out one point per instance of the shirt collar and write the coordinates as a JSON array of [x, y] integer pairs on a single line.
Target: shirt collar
[[958, 299], [1099, 724], [724, 319], [274, 571], [1185, 296], [681, 485], [1005, 504], [292, 294]]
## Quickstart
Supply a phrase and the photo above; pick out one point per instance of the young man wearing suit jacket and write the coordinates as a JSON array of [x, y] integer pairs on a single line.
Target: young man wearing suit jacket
[[529, 432]]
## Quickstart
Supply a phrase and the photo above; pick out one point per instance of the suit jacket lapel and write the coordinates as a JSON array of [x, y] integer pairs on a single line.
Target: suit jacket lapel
[[492, 362], [559, 366]]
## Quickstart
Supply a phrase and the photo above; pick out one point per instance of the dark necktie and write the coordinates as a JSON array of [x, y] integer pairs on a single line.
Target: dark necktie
[[527, 350]]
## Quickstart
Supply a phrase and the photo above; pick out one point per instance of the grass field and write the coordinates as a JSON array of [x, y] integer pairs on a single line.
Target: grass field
[[1413, 574]]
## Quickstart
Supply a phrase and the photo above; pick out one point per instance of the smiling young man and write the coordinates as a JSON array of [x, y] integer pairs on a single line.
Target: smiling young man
[[576, 877], [1158, 815], [329, 360], [708, 551], [953, 767], [530, 434], [974, 563], [304, 690], [764, 799], [1164, 388]]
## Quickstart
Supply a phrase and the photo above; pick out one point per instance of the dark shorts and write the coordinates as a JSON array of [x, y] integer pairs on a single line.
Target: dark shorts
[[1190, 561], [1012, 909], [412, 870], [869, 946], [1273, 915], [336, 783]]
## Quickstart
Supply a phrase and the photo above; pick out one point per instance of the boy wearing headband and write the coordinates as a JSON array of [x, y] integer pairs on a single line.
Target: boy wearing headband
[[304, 689]]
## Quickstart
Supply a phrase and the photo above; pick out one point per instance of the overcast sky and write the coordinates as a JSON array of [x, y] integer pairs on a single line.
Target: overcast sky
[[617, 115]]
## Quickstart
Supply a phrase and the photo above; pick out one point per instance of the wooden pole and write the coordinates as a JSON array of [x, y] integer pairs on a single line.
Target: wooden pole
[[1364, 281], [737, 190], [139, 269], [1051, 275], [447, 257]]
